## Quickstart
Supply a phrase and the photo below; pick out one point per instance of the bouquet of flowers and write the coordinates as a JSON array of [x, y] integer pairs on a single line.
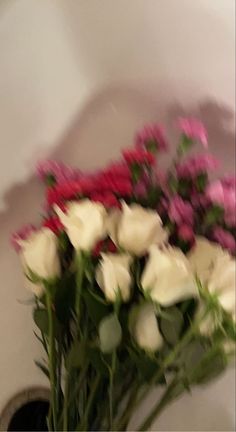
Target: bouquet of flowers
[[133, 276]]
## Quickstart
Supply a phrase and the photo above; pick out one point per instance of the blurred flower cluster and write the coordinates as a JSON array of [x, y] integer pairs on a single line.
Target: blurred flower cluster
[[133, 273]]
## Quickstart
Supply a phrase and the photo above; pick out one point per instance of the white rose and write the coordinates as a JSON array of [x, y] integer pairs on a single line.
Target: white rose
[[39, 254], [144, 327], [113, 276], [216, 270], [222, 282], [167, 276], [203, 256], [84, 222], [135, 229]]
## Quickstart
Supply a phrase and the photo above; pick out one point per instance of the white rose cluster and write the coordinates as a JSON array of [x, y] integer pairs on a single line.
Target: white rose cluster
[[168, 276]]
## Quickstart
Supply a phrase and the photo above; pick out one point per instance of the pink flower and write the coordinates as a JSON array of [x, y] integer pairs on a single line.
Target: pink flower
[[138, 157], [193, 129], [196, 165], [198, 199], [229, 181], [224, 195], [59, 171], [152, 137], [186, 233], [140, 189], [20, 235], [225, 239], [180, 211]]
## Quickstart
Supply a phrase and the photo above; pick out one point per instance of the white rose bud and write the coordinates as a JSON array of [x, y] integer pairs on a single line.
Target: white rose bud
[[113, 276], [84, 222], [135, 229], [167, 276], [144, 327], [39, 254]]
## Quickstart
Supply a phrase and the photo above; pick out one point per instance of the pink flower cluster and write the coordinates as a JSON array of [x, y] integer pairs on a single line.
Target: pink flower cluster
[[193, 129], [59, 171], [223, 194], [152, 137], [182, 194], [196, 165], [180, 211], [224, 238]]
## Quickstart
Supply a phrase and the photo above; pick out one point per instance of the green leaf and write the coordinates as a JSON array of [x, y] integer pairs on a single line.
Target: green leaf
[[171, 328], [110, 333], [201, 182], [50, 180], [136, 171], [184, 146], [42, 367], [33, 277], [214, 215], [76, 356], [96, 307], [40, 317], [210, 367], [151, 146], [191, 355], [229, 327]]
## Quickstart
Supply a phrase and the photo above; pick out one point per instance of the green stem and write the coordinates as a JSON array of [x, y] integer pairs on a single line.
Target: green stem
[[52, 359], [164, 401], [59, 363], [174, 353], [112, 372], [79, 283], [170, 393], [65, 406], [90, 401], [169, 360], [131, 404]]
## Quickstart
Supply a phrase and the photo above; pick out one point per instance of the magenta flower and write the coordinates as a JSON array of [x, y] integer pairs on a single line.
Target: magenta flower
[[224, 195], [22, 234], [180, 211], [193, 129], [186, 233], [152, 137], [59, 171], [196, 165], [198, 199], [225, 239], [140, 189]]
